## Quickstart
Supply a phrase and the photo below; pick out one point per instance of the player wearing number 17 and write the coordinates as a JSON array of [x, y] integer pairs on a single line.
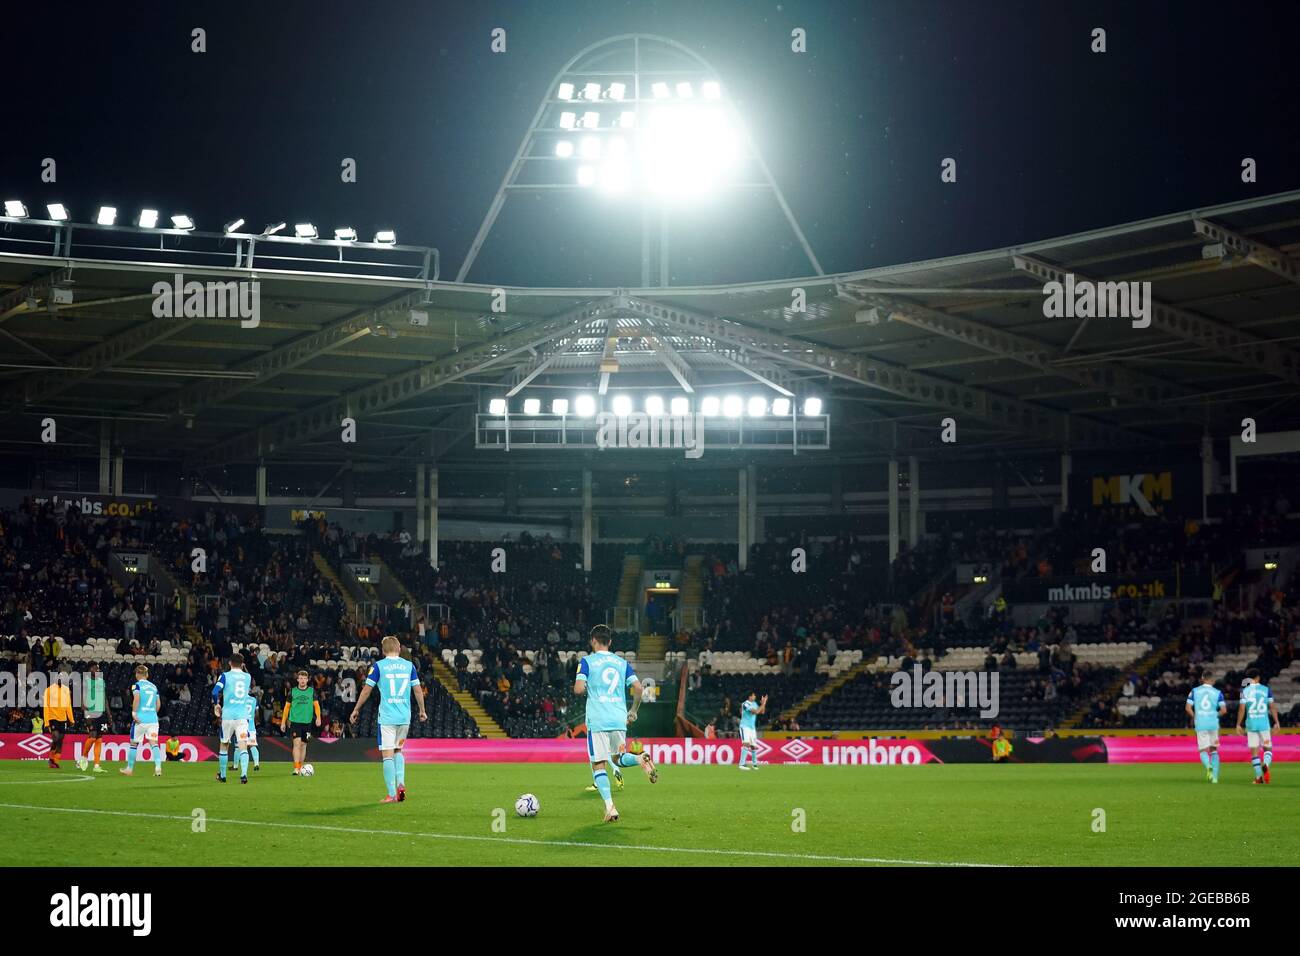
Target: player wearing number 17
[[396, 679]]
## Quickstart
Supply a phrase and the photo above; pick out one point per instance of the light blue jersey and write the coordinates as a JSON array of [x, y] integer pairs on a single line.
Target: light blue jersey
[[395, 677], [1257, 697], [232, 692], [607, 676], [749, 715], [148, 712], [1206, 700]]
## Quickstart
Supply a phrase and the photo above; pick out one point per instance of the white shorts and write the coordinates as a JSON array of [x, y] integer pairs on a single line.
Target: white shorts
[[142, 732], [1205, 739], [252, 734], [234, 728], [1259, 738], [748, 736], [392, 736], [604, 744]]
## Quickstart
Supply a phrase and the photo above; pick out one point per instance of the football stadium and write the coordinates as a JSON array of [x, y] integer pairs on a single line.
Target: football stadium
[[550, 451]]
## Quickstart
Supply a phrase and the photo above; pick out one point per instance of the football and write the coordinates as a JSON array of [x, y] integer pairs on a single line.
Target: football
[[527, 805], [307, 770], [82, 763]]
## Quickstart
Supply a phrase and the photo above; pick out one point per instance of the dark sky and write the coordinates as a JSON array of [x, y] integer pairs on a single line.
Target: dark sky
[[1049, 137]]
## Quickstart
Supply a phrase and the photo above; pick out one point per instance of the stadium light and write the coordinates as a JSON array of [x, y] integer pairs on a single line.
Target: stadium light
[[685, 91], [685, 150], [681, 405], [345, 234], [627, 120], [586, 175], [182, 221], [148, 219], [709, 406], [622, 405], [560, 406], [590, 119], [304, 230], [566, 91], [568, 120], [654, 405], [812, 406], [591, 91], [14, 209], [532, 406], [590, 148], [617, 91], [732, 406], [386, 237], [660, 90], [272, 228], [712, 90], [757, 407], [497, 406], [564, 148], [233, 226], [107, 215], [585, 406], [781, 406], [57, 211]]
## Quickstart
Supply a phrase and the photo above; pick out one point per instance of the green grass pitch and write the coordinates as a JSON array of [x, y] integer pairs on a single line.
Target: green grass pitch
[[1155, 815]]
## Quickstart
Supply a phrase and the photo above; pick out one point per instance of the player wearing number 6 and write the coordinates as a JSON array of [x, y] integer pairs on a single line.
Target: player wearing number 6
[[396, 679], [232, 703], [603, 677], [1256, 707], [1205, 705]]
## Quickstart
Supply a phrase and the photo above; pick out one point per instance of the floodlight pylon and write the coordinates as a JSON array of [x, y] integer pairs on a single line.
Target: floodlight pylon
[[637, 62]]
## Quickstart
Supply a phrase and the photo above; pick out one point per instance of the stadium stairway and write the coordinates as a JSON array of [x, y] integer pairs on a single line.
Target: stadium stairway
[[390, 575], [327, 572], [825, 690], [628, 585], [652, 648], [1154, 659], [487, 727], [692, 593]]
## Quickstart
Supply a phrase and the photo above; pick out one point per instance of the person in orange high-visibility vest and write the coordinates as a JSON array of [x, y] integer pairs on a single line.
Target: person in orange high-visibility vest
[[1001, 746], [58, 716]]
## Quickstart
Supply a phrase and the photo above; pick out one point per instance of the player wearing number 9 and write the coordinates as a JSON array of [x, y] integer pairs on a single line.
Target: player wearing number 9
[[396, 678]]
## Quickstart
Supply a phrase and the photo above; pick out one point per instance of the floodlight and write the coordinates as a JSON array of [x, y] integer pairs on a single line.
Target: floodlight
[[567, 120], [566, 91], [591, 91], [589, 148], [627, 120], [272, 228], [304, 230], [586, 175], [148, 219], [617, 91], [622, 405], [57, 211], [660, 91], [812, 406], [614, 176], [345, 234], [681, 405], [386, 237], [497, 406], [709, 406], [617, 146], [781, 406], [757, 407], [654, 405], [183, 222], [560, 406], [590, 119], [234, 225], [107, 215], [712, 90], [564, 148], [685, 91], [585, 406], [732, 406], [15, 209], [686, 149], [532, 406]]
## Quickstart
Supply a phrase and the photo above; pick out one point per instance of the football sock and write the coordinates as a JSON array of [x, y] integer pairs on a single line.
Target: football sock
[[157, 757], [390, 776], [130, 758], [257, 755], [1268, 758], [627, 760], [1214, 764], [243, 763], [223, 762], [1259, 768], [602, 784], [1205, 759], [399, 768]]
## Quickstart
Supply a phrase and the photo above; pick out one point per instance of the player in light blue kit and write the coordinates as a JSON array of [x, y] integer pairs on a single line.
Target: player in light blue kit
[[232, 702], [1256, 708], [396, 679], [253, 753], [144, 716], [1205, 705], [749, 712], [604, 678]]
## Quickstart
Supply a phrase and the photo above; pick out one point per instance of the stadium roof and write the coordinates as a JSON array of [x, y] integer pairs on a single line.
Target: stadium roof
[[893, 350]]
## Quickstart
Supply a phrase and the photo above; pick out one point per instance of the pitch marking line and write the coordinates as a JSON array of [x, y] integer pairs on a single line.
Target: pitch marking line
[[78, 778], [762, 854]]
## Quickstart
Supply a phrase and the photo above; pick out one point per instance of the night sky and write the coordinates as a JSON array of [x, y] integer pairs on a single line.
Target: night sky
[[1050, 138]]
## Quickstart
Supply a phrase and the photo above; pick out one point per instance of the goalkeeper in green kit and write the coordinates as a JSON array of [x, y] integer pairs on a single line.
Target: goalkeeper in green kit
[[301, 712]]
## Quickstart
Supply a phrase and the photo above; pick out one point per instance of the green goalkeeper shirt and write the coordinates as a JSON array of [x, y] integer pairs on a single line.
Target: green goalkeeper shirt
[[301, 709]]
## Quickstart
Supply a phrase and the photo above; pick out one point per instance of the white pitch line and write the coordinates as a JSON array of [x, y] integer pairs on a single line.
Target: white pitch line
[[762, 854]]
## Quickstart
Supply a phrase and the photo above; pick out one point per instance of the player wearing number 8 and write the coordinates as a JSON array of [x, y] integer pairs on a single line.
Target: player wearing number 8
[[233, 704], [396, 679]]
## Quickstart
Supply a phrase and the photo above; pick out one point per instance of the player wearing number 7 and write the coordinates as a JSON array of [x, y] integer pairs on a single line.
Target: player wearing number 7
[[1256, 707], [396, 679]]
